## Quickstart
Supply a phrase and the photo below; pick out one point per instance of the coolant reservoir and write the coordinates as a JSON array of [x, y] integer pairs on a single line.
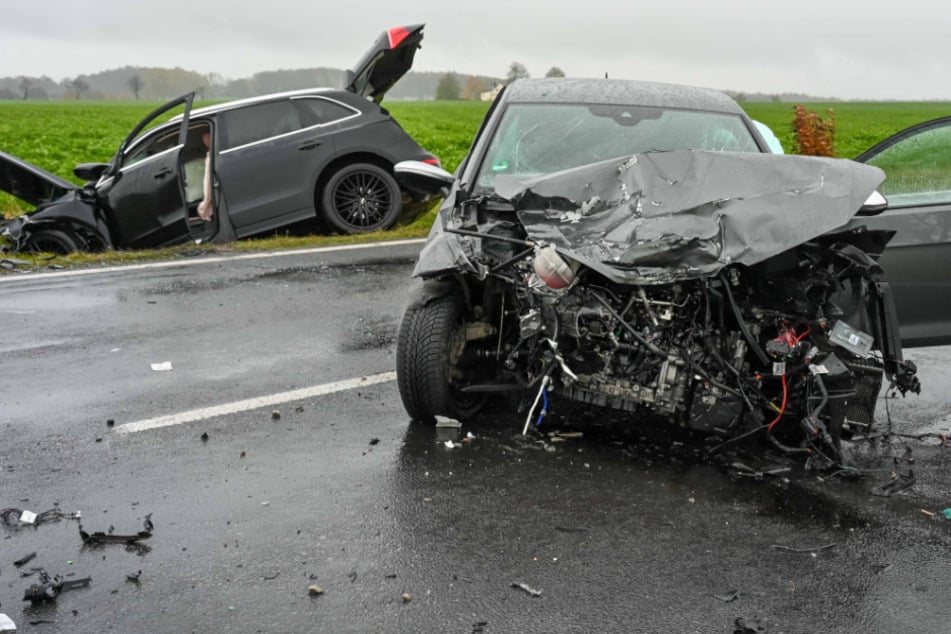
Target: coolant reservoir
[[552, 269]]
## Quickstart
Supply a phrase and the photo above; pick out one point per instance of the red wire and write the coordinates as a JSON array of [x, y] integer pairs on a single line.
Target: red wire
[[802, 336], [782, 408]]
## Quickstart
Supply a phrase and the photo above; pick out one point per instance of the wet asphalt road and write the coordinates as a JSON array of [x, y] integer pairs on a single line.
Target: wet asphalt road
[[620, 532]]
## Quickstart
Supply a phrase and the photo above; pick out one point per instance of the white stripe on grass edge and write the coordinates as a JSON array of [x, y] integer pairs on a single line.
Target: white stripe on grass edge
[[253, 403]]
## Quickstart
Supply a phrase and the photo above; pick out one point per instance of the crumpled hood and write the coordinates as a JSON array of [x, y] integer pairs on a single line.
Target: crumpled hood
[[688, 213]]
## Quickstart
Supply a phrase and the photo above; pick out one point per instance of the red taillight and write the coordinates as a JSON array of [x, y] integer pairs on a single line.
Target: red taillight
[[397, 34], [433, 161]]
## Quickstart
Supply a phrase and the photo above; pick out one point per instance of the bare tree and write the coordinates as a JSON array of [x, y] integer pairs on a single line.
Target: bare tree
[[25, 84], [78, 86], [135, 84], [554, 71], [516, 71]]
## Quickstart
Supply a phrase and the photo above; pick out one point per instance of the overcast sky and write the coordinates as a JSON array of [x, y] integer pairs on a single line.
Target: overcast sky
[[833, 48]]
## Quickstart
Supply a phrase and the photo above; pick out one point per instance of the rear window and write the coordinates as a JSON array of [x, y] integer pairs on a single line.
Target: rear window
[[318, 111]]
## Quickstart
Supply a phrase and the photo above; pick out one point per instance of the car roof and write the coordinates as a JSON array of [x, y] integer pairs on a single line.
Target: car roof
[[619, 91], [228, 105]]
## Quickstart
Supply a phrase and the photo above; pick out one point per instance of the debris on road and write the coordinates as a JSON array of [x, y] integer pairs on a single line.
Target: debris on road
[[204, 437], [898, 483], [452, 445], [444, 422], [23, 560], [315, 590], [51, 587], [100, 537], [927, 512], [947, 514], [15, 518], [730, 596], [804, 550], [164, 366], [527, 589], [741, 626], [374, 441], [276, 415], [7, 624], [407, 597], [133, 577]]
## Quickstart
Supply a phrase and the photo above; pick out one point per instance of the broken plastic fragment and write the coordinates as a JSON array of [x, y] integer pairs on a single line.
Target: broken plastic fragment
[[28, 517], [451, 445], [446, 422], [164, 366], [7, 624], [315, 590], [899, 483], [527, 589]]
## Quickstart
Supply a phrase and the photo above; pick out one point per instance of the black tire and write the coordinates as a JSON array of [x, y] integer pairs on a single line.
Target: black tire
[[359, 198], [51, 241], [423, 365]]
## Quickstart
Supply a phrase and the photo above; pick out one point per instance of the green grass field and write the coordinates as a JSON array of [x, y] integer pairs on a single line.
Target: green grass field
[[58, 135]]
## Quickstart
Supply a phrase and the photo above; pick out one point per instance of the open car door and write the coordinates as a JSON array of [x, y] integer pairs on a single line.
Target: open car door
[[142, 191], [390, 57], [917, 166]]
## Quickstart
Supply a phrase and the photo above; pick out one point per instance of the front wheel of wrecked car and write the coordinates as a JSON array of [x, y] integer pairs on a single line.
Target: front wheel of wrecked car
[[428, 349], [51, 241]]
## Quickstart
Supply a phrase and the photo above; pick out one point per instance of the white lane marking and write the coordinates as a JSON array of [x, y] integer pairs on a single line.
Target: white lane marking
[[253, 403], [211, 260]]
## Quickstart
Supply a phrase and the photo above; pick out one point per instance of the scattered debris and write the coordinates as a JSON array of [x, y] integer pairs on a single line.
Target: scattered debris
[[527, 589], [479, 627], [299, 409], [7, 624], [22, 560], [444, 422], [134, 577], [569, 435], [315, 590], [927, 512], [374, 441], [804, 550], [50, 587], [204, 437], [407, 597], [276, 415], [272, 577], [743, 628], [242, 454], [947, 514], [15, 517], [898, 483], [164, 366], [352, 575], [741, 469], [729, 597], [107, 538], [147, 524], [452, 445]]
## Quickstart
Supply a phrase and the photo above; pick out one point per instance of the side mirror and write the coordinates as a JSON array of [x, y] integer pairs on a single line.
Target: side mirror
[[423, 178], [90, 171], [874, 205]]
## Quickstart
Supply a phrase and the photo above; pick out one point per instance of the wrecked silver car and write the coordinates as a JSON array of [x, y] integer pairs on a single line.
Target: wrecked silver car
[[653, 259]]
